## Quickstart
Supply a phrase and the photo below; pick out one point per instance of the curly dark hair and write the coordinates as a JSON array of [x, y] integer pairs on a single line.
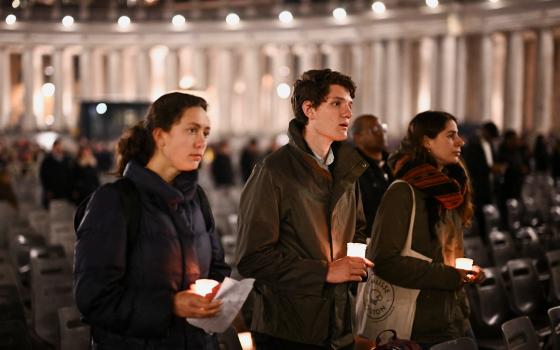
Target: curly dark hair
[[314, 86], [137, 143]]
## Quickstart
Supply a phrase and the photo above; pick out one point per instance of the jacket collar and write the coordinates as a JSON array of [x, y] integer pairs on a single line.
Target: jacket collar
[[182, 189], [346, 158]]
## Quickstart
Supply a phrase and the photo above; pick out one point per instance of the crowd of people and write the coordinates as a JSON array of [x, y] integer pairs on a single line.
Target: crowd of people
[[300, 206]]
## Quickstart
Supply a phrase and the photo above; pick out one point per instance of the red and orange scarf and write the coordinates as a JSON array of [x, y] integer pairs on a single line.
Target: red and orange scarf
[[448, 188]]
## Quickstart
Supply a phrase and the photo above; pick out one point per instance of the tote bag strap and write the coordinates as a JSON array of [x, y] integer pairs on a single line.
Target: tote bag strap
[[408, 243]]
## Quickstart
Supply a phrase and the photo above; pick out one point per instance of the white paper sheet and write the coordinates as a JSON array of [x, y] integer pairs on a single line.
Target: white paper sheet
[[233, 294]]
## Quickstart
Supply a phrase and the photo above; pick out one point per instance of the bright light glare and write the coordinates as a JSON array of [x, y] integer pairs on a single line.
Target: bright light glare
[[16, 3], [178, 20], [339, 13], [67, 21], [494, 1], [10, 19], [285, 17], [124, 21], [232, 19], [283, 90], [186, 82], [432, 3], [101, 108], [49, 119], [47, 89], [378, 7]]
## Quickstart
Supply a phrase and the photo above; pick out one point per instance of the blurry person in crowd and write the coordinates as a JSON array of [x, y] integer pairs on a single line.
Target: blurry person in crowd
[[104, 157], [428, 160], [480, 159], [555, 160], [222, 167], [250, 155], [299, 209], [56, 174], [369, 138], [84, 174], [137, 296], [515, 168], [541, 155], [6, 189]]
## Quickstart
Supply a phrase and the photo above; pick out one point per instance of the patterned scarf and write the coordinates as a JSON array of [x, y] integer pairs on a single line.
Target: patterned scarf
[[448, 189]]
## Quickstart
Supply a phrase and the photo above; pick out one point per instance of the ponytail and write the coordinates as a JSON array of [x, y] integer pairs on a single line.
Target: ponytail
[[136, 144]]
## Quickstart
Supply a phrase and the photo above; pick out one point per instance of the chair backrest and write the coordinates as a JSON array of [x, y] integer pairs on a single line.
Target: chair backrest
[[74, 334], [476, 250], [554, 318], [501, 245], [519, 334], [229, 340], [514, 213], [526, 293], [529, 243], [491, 217], [49, 271], [490, 307], [11, 305], [14, 335], [464, 343], [45, 302], [39, 220], [553, 261]]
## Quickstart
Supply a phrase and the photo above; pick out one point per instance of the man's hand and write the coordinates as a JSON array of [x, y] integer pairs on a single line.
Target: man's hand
[[348, 269], [189, 304]]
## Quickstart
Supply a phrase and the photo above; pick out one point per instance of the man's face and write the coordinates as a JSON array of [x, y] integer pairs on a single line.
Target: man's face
[[332, 117], [372, 135]]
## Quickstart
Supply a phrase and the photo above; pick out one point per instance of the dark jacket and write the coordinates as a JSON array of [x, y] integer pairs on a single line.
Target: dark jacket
[[56, 178], [373, 184], [85, 181], [127, 296], [480, 172], [441, 308], [294, 218]]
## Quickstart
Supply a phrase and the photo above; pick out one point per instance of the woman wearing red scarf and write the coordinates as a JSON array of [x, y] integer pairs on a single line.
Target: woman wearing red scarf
[[429, 161]]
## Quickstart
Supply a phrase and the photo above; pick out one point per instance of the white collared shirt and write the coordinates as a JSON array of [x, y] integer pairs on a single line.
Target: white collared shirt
[[324, 163]]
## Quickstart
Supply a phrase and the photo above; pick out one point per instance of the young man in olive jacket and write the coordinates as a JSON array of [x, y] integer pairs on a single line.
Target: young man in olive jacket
[[298, 210]]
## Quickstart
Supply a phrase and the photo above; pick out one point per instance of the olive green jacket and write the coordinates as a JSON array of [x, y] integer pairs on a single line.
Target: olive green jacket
[[441, 308], [294, 218]]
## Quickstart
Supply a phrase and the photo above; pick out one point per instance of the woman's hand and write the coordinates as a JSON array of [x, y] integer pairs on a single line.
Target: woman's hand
[[187, 303], [475, 275]]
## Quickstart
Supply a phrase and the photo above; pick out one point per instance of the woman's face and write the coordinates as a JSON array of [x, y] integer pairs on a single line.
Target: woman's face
[[184, 144], [446, 146]]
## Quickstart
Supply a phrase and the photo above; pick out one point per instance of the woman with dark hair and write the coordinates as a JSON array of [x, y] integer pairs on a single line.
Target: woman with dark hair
[[136, 296], [428, 163]]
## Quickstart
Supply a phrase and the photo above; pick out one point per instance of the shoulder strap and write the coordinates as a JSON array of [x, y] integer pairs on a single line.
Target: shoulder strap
[[205, 208], [130, 200], [408, 242]]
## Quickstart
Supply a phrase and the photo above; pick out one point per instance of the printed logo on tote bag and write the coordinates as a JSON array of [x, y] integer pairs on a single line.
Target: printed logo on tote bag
[[381, 298]]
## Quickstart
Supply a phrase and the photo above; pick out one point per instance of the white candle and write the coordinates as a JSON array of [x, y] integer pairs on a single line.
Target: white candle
[[204, 286], [464, 264], [356, 249]]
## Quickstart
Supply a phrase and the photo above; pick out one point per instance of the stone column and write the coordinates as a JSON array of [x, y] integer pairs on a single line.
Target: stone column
[[545, 74], [513, 102], [224, 81], [398, 130], [97, 74], [486, 55], [357, 73], [129, 82], [307, 53], [58, 81], [143, 73], [252, 78], [86, 75], [30, 65], [199, 67], [379, 91], [461, 82], [448, 70], [426, 82], [334, 56], [393, 83], [281, 111], [5, 87], [172, 69], [114, 73]]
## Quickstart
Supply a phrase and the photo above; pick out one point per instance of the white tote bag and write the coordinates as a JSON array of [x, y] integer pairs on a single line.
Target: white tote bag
[[381, 305]]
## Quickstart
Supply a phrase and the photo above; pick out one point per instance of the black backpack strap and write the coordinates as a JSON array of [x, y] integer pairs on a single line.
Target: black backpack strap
[[130, 201], [205, 207]]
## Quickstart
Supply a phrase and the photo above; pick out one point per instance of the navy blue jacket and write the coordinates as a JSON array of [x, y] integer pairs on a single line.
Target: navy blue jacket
[[127, 296]]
